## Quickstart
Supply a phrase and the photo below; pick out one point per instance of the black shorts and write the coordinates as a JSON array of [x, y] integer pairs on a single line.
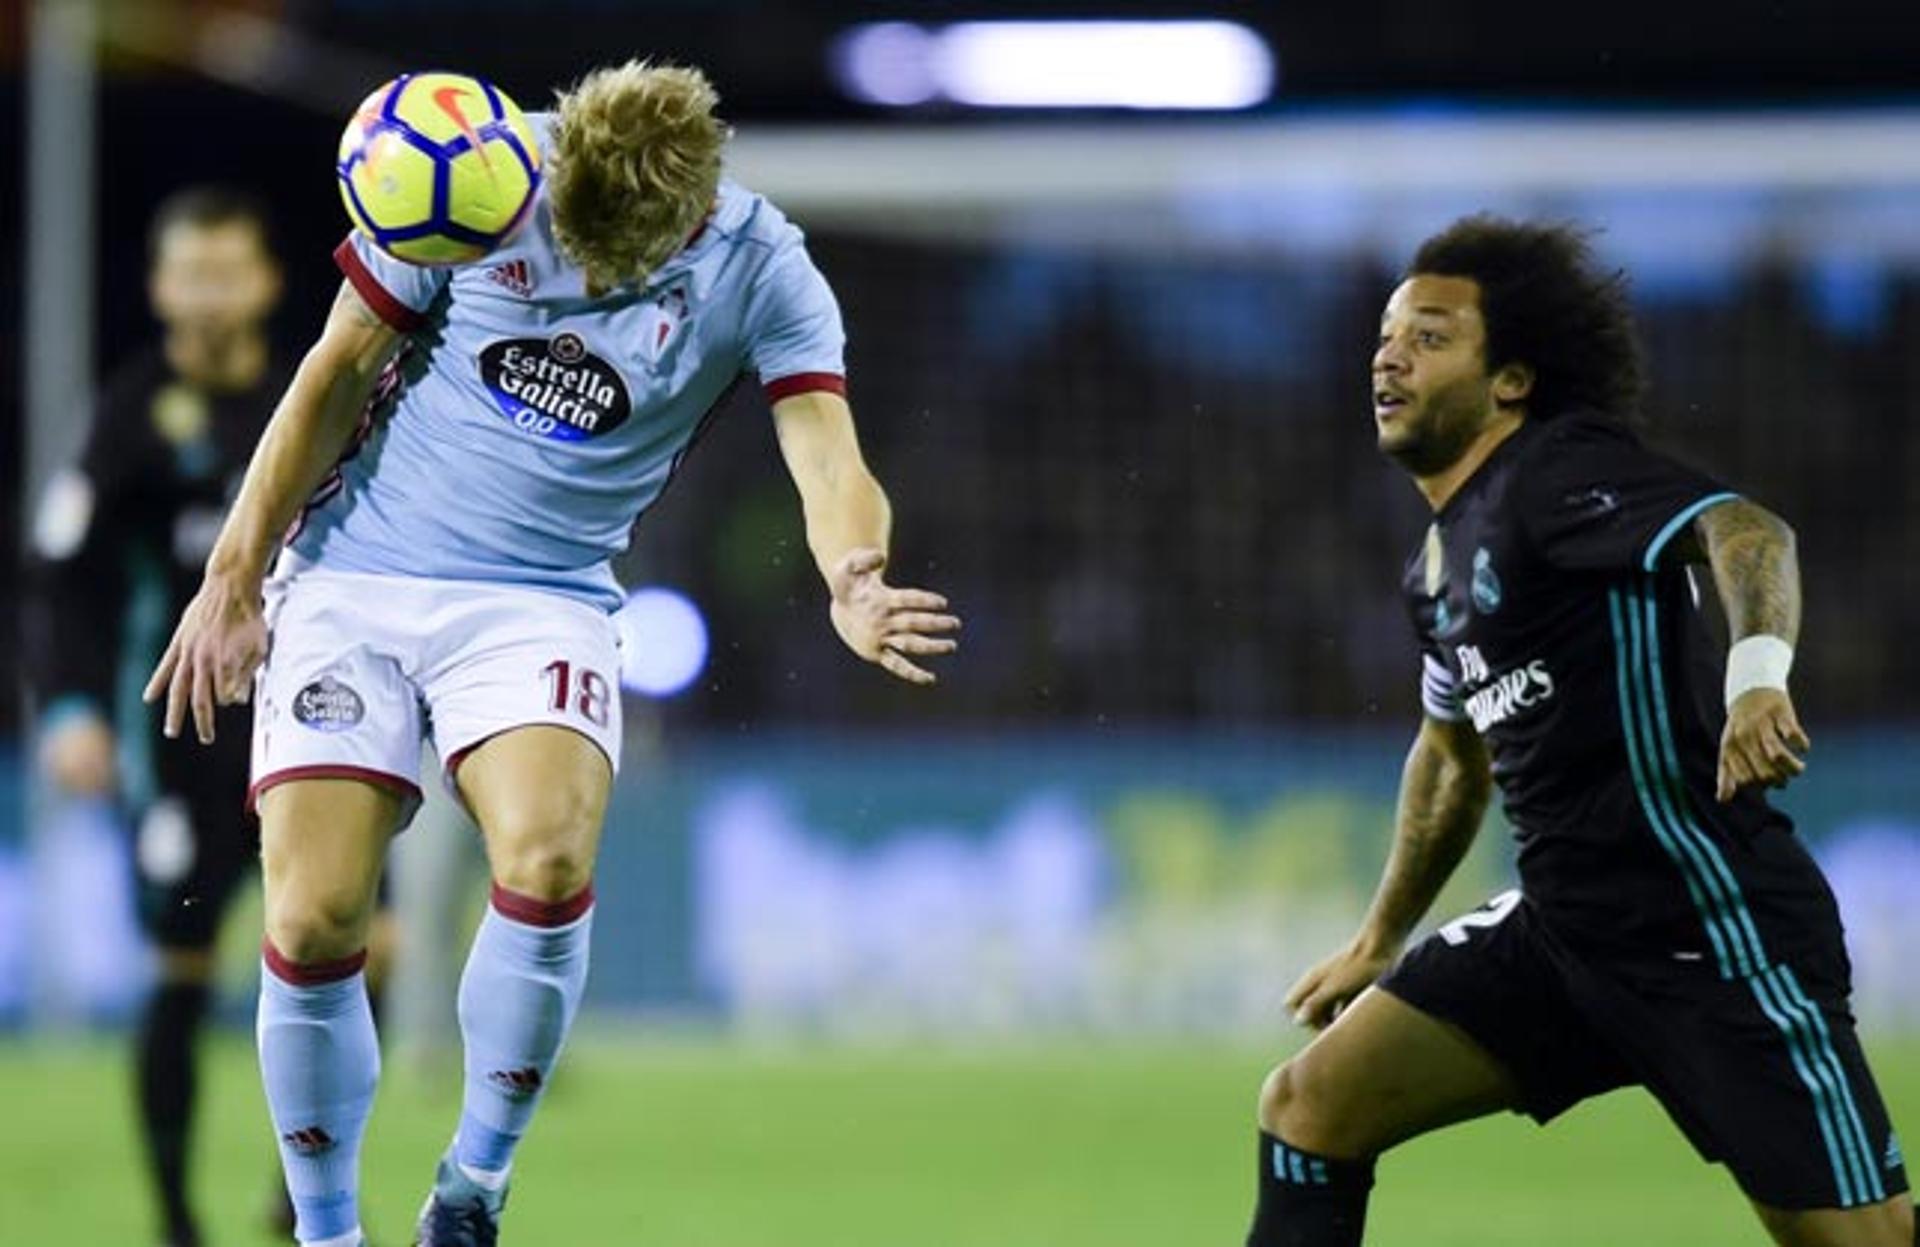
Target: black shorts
[[194, 843], [1763, 1074]]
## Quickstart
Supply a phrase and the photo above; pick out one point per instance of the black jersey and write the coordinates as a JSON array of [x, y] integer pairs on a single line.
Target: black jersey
[[123, 535], [1547, 616]]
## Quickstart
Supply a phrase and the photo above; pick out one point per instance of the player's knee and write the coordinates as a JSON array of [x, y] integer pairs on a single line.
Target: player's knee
[[546, 876], [1273, 1099], [318, 928], [1297, 1106], [1281, 1102], [545, 850], [547, 870]]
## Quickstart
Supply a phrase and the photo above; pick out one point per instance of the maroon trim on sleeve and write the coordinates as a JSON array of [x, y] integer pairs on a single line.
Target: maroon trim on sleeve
[[368, 287], [539, 913], [804, 383], [310, 973]]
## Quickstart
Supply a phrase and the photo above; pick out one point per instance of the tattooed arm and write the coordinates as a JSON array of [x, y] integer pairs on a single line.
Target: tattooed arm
[[1755, 568], [1444, 789], [1757, 572]]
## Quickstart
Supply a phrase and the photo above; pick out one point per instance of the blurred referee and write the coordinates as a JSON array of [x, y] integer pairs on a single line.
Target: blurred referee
[[120, 537]]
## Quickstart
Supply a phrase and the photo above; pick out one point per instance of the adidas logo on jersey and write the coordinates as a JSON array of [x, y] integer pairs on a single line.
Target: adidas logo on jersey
[[513, 274]]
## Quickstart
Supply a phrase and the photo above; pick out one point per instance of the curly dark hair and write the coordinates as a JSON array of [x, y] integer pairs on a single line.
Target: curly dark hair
[[1547, 304]]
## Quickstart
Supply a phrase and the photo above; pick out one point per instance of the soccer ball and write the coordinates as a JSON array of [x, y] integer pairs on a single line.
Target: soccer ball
[[438, 168]]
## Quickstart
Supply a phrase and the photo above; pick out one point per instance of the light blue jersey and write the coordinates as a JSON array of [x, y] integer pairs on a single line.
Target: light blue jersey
[[526, 426]]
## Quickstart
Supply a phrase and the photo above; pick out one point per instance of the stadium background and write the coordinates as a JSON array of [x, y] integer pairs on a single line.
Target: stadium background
[[1003, 963]]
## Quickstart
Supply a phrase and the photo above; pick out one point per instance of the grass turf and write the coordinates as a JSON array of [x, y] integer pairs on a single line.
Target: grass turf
[[748, 1146]]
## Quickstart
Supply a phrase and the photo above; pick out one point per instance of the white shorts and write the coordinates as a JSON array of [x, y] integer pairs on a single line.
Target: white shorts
[[361, 669]]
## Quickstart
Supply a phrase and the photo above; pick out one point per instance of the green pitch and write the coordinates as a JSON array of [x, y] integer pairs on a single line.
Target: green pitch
[[732, 1146]]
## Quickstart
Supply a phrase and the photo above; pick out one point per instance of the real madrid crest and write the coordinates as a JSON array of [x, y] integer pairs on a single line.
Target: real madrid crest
[[1486, 583]]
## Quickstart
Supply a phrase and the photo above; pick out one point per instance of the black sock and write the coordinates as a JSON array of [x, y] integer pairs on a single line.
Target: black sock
[[167, 1084], [1308, 1200]]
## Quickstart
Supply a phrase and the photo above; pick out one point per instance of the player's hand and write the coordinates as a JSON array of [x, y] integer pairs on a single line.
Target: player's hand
[[1762, 744], [211, 659], [77, 756], [1322, 992], [887, 626]]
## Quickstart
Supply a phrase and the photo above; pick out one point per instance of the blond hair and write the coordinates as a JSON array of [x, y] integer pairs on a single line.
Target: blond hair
[[634, 168]]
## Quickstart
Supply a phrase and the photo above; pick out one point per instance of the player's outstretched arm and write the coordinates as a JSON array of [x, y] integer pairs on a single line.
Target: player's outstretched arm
[[848, 523], [1444, 789], [221, 636], [1757, 571]]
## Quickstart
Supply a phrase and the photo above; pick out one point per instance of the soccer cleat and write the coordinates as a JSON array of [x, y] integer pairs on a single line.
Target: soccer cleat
[[456, 1225], [460, 1212]]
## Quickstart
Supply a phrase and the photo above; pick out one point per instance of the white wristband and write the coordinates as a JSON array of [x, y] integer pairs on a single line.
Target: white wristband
[[1757, 662]]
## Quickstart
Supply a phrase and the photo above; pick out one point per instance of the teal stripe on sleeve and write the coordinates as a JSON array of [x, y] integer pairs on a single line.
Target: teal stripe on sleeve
[[1686, 516]]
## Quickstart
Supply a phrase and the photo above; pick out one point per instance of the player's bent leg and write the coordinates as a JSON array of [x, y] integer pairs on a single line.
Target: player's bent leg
[[1381, 1074], [322, 843], [1889, 1223], [539, 794]]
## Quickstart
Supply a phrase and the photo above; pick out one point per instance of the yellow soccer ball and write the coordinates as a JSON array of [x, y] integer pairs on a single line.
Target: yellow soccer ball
[[438, 168]]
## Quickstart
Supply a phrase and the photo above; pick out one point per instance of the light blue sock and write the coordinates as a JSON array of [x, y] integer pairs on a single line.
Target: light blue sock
[[518, 996], [320, 1062]]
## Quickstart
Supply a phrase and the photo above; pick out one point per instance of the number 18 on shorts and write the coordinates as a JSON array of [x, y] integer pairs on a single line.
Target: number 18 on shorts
[[361, 669]]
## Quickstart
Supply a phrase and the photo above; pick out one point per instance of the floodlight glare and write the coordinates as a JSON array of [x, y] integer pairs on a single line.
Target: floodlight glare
[[1057, 64], [886, 63], [663, 642]]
